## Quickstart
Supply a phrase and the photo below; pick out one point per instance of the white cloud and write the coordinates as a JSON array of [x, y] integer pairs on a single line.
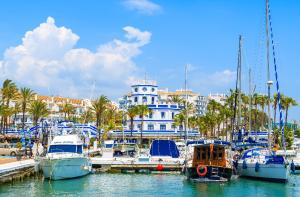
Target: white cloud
[[218, 81], [222, 78], [143, 6], [48, 58]]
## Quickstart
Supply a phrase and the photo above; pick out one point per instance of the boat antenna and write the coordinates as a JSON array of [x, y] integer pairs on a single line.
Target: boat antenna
[[269, 82]]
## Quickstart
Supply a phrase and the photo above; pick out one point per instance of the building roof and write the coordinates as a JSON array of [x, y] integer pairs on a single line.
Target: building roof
[[177, 93], [59, 99]]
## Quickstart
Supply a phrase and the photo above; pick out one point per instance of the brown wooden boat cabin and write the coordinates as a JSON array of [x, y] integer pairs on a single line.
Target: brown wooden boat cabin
[[209, 160], [209, 155]]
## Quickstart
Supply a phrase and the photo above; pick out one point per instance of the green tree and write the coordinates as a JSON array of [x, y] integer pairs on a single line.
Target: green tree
[[132, 112], [288, 102], [99, 106], [143, 111], [87, 116], [9, 91], [275, 105], [38, 109], [26, 96], [175, 99], [68, 110]]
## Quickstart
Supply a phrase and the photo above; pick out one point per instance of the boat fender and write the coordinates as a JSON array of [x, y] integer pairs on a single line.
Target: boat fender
[[256, 167], [201, 167], [244, 164], [159, 167], [293, 168]]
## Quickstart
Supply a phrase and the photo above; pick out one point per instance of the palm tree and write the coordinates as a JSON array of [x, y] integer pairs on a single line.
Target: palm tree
[[179, 120], [175, 99], [288, 102], [193, 122], [38, 109], [255, 99], [132, 112], [9, 91], [213, 108], [5, 113], [26, 96], [16, 110], [99, 106], [143, 111], [275, 104], [67, 109], [262, 101], [87, 116]]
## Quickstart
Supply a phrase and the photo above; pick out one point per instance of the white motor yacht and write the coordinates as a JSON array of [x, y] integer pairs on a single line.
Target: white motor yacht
[[65, 159]]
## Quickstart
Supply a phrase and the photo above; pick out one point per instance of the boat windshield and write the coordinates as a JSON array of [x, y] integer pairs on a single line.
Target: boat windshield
[[65, 149]]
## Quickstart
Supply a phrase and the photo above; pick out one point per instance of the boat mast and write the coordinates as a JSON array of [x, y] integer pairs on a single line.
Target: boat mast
[[250, 100], [186, 118], [269, 82], [240, 83], [186, 102], [235, 122]]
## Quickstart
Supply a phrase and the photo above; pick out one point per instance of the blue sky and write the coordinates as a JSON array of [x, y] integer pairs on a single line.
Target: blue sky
[[88, 48]]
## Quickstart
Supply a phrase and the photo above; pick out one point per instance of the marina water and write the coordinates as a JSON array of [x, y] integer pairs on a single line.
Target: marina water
[[147, 185]]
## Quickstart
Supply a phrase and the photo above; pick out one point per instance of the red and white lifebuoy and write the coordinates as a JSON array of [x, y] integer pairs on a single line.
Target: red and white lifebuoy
[[200, 168]]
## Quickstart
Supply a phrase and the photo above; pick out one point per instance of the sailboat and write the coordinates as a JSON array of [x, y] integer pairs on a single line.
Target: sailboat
[[263, 163]]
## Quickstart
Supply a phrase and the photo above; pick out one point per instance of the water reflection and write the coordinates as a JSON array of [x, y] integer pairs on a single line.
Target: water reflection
[[146, 185]]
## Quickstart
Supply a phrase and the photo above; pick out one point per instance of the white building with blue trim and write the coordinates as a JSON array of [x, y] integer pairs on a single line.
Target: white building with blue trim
[[159, 122]]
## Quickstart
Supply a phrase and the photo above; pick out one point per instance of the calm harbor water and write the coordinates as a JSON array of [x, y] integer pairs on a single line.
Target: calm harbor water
[[146, 185]]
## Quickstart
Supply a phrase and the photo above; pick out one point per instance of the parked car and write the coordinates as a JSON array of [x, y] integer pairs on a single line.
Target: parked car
[[8, 149]]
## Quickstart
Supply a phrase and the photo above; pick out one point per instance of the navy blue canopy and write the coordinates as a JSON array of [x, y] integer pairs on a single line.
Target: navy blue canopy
[[164, 148]]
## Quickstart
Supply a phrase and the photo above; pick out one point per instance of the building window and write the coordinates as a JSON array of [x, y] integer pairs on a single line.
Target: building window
[[144, 99], [136, 89], [163, 127], [152, 89], [172, 115], [163, 115], [135, 99], [150, 115], [150, 127], [144, 89], [181, 128], [152, 100], [139, 126]]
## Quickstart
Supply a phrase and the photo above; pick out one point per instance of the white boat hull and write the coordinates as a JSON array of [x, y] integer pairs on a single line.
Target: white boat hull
[[271, 172], [65, 168]]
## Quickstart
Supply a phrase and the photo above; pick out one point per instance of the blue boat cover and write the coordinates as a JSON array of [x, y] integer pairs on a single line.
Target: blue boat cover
[[164, 148]]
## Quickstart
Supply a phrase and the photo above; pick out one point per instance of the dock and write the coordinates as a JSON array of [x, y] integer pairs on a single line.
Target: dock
[[131, 165], [16, 170]]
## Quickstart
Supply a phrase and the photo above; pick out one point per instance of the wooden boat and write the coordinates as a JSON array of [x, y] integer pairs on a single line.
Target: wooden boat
[[209, 162]]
